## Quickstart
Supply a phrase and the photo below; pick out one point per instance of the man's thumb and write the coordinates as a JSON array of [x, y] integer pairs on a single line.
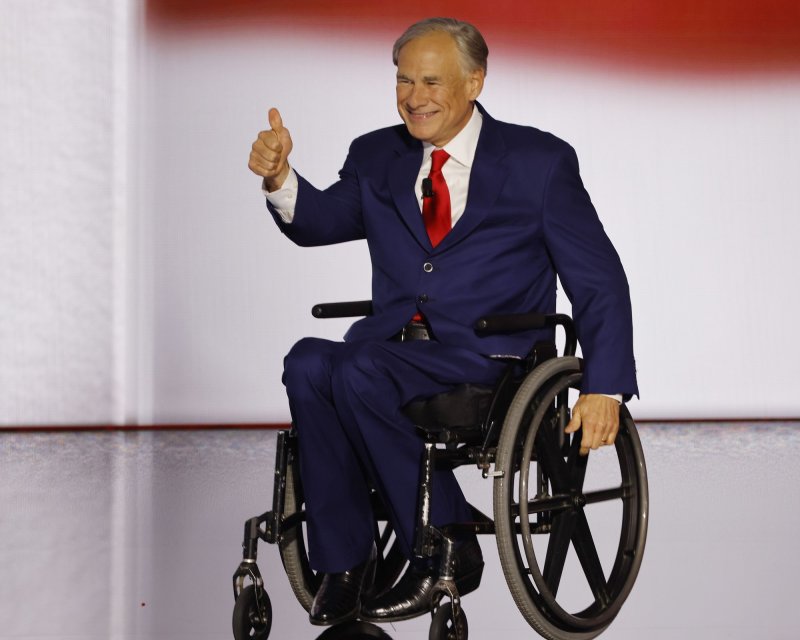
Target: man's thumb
[[575, 423], [275, 120]]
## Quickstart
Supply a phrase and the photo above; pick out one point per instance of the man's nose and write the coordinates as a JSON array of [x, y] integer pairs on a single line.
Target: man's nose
[[418, 96]]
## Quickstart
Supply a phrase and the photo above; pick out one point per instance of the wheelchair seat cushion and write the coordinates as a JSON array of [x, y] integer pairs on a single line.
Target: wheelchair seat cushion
[[464, 407]]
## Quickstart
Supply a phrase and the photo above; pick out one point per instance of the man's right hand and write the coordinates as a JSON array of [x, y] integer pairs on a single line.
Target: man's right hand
[[269, 157]]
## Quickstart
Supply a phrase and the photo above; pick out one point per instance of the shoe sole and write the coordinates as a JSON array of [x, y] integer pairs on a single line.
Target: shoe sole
[[464, 585], [328, 623]]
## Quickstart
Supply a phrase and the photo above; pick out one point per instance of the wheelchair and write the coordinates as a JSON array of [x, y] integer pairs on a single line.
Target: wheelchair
[[547, 499]]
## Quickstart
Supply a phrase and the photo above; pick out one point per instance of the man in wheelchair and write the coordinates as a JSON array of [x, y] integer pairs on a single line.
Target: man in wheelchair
[[465, 216]]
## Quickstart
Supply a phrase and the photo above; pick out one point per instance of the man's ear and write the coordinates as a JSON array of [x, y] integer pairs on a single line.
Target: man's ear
[[475, 83]]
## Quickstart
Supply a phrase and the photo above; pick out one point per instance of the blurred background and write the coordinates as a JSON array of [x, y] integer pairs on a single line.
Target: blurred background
[[143, 283]]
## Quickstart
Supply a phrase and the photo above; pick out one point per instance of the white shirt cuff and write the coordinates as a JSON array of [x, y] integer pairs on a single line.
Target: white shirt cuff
[[285, 198]]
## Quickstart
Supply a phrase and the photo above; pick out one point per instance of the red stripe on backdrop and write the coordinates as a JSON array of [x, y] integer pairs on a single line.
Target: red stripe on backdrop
[[687, 35]]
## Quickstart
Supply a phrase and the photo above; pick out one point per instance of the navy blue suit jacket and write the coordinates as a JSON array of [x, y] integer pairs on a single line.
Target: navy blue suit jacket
[[527, 218]]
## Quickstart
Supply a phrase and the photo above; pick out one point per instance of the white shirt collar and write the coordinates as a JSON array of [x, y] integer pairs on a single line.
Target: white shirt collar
[[462, 147]]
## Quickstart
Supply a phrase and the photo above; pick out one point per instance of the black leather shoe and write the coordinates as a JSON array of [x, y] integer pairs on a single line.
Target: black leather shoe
[[411, 596], [339, 596]]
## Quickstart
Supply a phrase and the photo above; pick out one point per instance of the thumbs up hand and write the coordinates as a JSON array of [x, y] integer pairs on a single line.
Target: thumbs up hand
[[270, 152]]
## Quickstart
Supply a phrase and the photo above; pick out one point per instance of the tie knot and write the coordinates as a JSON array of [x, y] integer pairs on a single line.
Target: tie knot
[[438, 158]]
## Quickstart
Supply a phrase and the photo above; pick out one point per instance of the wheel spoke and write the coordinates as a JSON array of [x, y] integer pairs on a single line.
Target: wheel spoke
[[590, 561], [552, 504], [604, 495], [557, 548], [383, 537], [549, 456], [576, 464]]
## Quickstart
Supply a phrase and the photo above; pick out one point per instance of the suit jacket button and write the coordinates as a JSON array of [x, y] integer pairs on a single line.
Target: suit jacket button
[[427, 267], [422, 298]]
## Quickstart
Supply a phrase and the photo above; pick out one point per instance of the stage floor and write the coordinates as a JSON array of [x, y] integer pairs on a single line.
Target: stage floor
[[135, 535]]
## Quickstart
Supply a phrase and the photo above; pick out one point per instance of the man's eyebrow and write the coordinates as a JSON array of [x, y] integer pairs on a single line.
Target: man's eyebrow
[[402, 76]]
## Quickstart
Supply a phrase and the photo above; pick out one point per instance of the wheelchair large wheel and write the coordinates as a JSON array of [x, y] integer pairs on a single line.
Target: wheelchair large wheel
[[292, 546], [571, 529]]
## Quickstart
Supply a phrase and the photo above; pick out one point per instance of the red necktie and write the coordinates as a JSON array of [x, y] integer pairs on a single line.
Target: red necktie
[[436, 209]]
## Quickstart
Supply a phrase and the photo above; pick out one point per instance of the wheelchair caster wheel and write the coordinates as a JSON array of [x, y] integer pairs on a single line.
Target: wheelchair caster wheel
[[252, 616], [446, 626]]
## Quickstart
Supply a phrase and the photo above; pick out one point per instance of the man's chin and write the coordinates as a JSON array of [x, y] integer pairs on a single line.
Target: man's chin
[[419, 131]]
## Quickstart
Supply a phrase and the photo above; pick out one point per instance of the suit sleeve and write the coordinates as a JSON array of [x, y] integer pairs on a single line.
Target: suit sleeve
[[593, 278], [323, 217]]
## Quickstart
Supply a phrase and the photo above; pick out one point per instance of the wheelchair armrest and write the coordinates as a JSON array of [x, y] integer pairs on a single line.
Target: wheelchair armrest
[[342, 309], [511, 322], [527, 321], [488, 324]]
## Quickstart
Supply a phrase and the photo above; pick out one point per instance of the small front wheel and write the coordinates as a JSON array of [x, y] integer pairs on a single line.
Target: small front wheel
[[252, 614], [447, 626]]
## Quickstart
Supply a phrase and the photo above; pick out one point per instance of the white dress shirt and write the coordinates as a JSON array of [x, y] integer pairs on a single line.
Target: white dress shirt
[[457, 169]]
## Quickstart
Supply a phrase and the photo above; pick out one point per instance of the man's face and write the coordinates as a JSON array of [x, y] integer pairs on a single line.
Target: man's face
[[434, 93]]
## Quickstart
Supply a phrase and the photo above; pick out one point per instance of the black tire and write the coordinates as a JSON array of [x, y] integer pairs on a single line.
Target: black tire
[[252, 620], [444, 626], [354, 630], [544, 498], [292, 546]]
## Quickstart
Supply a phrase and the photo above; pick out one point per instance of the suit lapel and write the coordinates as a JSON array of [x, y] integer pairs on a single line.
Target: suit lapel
[[486, 181], [402, 178]]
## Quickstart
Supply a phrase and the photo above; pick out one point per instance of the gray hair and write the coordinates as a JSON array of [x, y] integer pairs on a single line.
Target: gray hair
[[468, 39]]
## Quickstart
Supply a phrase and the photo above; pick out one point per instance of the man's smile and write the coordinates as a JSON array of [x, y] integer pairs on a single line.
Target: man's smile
[[420, 115]]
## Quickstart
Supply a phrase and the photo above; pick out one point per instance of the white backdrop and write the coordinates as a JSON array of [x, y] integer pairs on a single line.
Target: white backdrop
[[143, 281], [693, 177], [67, 73]]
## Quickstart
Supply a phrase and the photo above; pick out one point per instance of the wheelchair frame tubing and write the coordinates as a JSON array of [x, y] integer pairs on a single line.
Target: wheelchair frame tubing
[[423, 545]]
